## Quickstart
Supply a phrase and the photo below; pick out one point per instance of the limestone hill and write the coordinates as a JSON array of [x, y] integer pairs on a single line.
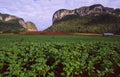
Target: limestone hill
[[13, 24], [89, 19]]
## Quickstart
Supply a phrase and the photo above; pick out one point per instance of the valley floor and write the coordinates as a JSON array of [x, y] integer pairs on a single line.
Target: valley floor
[[59, 56]]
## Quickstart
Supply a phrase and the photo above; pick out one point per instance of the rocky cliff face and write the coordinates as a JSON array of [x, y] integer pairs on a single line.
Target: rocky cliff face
[[62, 13], [87, 10], [12, 23]]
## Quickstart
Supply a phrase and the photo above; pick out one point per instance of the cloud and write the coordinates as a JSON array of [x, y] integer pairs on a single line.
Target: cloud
[[40, 11]]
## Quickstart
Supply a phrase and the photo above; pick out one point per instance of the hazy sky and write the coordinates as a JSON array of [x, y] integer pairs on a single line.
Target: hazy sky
[[41, 11]]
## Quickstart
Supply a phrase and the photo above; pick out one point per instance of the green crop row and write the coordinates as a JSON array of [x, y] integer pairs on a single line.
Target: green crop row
[[92, 59]]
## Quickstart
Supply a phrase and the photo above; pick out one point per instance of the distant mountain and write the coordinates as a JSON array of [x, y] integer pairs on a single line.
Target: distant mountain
[[93, 19], [86, 10], [13, 24]]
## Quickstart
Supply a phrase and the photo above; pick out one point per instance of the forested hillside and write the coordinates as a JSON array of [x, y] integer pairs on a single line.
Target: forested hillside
[[88, 24]]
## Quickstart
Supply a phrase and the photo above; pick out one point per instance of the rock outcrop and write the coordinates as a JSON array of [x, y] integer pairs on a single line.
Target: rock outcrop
[[87, 10], [10, 23], [62, 13], [87, 19], [30, 26]]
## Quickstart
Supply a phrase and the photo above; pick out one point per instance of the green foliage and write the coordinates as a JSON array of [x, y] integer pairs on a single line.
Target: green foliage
[[96, 23], [83, 59], [10, 27], [5, 41]]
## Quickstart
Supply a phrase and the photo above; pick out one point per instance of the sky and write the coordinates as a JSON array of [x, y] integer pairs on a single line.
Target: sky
[[40, 12]]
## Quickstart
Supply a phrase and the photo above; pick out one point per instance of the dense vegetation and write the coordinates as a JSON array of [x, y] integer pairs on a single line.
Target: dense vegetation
[[94, 23], [10, 27], [93, 59], [59, 56]]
